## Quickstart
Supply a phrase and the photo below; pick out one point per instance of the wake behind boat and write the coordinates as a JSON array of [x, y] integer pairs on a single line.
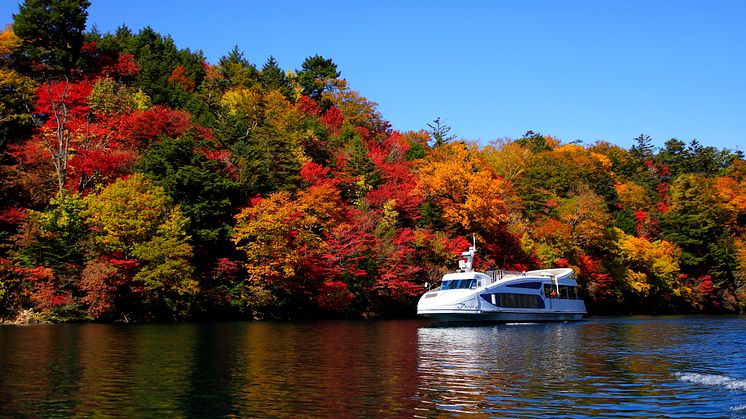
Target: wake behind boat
[[543, 295]]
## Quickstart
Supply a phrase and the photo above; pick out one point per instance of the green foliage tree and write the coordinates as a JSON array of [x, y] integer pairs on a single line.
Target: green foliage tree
[[167, 74], [536, 142], [195, 183], [15, 119], [258, 128], [359, 165], [267, 161], [54, 238], [680, 158], [697, 224], [673, 156], [52, 33], [273, 78], [643, 149], [236, 70], [109, 98], [315, 74], [18, 94], [560, 173]]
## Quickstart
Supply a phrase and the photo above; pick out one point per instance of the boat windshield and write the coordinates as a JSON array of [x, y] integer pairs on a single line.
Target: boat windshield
[[457, 284]]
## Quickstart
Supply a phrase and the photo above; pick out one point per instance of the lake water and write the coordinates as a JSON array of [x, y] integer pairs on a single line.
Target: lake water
[[602, 367]]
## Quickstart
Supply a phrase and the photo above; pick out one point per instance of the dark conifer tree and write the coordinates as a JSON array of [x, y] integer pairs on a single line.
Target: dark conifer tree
[[314, 74], [273, 78], [52, 34], [439, 133]]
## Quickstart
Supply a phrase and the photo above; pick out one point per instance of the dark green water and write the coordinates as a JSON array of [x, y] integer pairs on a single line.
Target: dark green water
[[603, 367]]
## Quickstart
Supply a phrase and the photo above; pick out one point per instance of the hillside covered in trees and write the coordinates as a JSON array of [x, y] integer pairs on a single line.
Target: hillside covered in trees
[[140, 182]]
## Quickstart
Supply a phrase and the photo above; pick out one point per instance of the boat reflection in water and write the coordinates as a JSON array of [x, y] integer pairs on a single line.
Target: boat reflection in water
[[480, 370]]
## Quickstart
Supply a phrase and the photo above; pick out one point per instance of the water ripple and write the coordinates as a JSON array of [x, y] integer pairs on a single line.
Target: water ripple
[[685, 367]]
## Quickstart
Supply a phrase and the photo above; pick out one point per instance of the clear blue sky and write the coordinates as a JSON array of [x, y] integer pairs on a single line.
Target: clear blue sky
[[589, 70]]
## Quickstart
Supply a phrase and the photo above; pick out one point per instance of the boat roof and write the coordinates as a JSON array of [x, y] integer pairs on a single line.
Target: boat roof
[[558, 273], [461, 275]]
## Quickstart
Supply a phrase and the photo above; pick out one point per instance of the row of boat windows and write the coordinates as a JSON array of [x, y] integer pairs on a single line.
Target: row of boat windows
[[455, 284], [566, 292], [510, 300]]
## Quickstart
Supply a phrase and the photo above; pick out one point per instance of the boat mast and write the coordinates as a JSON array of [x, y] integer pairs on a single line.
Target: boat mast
[[466, 265]]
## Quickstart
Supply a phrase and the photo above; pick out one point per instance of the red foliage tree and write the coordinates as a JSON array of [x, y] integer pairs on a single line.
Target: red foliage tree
[[400, 275], [333, 120], [180, 77], [140, 128], [103, 280], [308, 106], [61, 115], [316, 174], [125, 66], [398, 181], [601, 286]]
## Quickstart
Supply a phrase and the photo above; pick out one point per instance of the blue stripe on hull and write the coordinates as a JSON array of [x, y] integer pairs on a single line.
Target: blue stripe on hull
[[503, 317]]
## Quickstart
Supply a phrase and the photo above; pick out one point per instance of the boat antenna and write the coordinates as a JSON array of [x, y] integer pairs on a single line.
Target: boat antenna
[[466, 265]]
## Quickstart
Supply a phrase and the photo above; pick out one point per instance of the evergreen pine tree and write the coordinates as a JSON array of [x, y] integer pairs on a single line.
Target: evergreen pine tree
[[439, 133], [52, 34]]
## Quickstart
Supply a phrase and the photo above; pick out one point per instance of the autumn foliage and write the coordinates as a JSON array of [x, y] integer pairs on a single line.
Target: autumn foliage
[[141, 182]]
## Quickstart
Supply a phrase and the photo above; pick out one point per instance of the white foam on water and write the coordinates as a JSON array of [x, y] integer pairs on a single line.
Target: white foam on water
[[712, 380], [738, 408]]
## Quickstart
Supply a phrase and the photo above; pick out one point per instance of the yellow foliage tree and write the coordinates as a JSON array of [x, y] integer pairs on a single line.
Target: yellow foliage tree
[[134, 219], [731, 190], [587, 218], [9, 42], [509, 160], [652, 266], [17, 90], [277, 234], [633, 196], [471, 195]]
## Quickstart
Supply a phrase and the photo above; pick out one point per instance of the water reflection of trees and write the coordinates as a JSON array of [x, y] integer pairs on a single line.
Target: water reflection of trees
[[331, 369]]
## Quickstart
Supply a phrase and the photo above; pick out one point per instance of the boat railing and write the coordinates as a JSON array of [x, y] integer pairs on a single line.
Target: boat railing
[[499, 274]]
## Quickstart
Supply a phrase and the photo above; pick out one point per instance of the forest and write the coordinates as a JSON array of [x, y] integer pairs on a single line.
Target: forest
[[142, 183]]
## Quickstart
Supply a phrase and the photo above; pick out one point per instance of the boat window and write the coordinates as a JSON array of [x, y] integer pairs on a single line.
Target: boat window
[[510, 300], [565, 292]]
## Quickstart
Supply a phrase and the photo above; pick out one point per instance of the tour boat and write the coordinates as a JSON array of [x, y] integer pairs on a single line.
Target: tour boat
[[544, 295]]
